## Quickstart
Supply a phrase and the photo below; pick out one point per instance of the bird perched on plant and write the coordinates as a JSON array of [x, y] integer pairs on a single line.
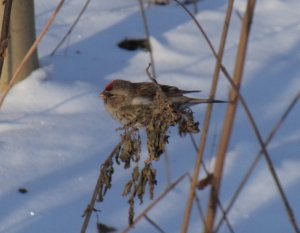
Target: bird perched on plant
[[130, 102]]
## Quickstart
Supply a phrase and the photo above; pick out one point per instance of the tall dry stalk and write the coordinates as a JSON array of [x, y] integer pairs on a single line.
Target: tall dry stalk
[[229, 117], [30, 52], [207, 118], [5, 32]]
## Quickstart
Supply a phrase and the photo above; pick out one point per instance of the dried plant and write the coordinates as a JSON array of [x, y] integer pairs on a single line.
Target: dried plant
[[105, 179], [165, 115], [162, 116], [137, 185], [186, 123], [130, 149]]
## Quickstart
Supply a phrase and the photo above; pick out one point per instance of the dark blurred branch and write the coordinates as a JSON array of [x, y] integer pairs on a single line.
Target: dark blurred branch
[[4, 32], [30, 52], [157, 227]]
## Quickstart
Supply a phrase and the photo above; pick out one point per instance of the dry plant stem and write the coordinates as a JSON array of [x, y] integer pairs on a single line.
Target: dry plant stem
[[89, 210], [224, 214], [157, 227], [267, 157], [152, 76], [226, 73], [195, 6], [158, 199], [268, 160], [205, 129], [197, 201], [30, 52], [147, 36], [199, 27], [289, 210], [71, 28], [227, 76], [258, 156], [229, 117], [167, 167], [239, 15], [4, 32]]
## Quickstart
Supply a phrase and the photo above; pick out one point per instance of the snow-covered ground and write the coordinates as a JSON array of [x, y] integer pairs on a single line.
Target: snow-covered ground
[[55, 133]]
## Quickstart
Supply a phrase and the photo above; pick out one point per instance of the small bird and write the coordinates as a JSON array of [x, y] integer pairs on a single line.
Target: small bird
[[132, 102]]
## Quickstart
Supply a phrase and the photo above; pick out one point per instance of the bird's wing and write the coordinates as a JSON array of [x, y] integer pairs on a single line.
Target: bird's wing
[[145, 89], [174, 91], [148, 90]]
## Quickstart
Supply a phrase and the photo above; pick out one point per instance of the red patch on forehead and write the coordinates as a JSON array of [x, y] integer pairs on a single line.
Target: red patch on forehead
[[109, 86]]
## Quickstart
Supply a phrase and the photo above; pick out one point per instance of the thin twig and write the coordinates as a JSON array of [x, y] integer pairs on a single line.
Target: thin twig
[[151, 76], [197, 201], [258, 156], [239, 15], [167, 167], [266, 154], [30, 52], [71, 28], [5, 32], [224, 214], [157, 227], [205, 129], [147, 36], [198, 26], [90, 207], [205, 169], [157, 200]]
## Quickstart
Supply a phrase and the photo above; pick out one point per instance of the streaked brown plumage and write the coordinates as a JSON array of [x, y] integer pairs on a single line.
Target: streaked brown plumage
[[127, 101]]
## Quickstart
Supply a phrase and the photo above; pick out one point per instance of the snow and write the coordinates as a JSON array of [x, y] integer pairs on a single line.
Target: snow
[[55, 133]]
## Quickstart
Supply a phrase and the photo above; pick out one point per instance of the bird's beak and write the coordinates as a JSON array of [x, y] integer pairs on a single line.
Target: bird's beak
[[102, 95]]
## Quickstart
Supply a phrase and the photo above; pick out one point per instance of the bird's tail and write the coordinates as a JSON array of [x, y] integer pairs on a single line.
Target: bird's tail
[[194, 101], [184, 101]]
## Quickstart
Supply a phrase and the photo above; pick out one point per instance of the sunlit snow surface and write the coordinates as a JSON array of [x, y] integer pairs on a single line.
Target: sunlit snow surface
[[55, 133]]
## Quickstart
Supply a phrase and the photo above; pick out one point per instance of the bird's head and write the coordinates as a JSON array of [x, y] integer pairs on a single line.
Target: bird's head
[[115, 89], [107, 92]]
